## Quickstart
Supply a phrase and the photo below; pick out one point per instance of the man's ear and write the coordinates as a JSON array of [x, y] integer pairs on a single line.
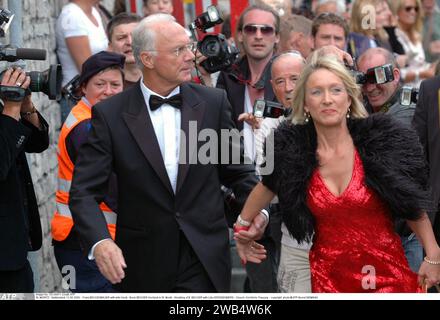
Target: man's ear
[[396, 74], [147, 59]]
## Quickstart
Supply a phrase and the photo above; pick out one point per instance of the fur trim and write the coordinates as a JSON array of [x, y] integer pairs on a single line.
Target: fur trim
[[391, 154]]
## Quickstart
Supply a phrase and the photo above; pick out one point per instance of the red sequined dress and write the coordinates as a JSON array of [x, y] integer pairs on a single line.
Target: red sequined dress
[[355, 248]]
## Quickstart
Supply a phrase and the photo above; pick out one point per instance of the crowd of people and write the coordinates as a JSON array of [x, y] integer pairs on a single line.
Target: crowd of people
[[349, 204]]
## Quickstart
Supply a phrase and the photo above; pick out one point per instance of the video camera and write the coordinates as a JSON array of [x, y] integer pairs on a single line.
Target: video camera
[[220, 54], [48, 81], [269, 109], [408, 95], [379, 75]]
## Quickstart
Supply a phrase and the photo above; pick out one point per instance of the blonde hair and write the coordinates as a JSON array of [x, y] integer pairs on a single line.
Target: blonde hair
[[416, 29], [331, 64]]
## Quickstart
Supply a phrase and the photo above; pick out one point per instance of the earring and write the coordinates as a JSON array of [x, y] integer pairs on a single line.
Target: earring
[[307, 117], [348, 113]]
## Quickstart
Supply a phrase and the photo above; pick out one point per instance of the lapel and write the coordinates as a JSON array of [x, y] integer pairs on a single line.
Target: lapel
[[193, 110], [139, 123]]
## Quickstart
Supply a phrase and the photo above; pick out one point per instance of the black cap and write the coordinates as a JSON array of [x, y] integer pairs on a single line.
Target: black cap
[[98, 62]]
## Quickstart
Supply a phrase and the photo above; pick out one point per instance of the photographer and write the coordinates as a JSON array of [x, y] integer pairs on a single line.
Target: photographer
[[386, 98], [22, 129]]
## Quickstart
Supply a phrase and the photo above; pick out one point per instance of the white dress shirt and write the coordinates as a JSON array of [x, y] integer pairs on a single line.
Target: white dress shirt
[[166, 124]]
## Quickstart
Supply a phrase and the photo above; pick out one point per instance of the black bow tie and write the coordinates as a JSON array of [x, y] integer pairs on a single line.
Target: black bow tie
[[156, 102]]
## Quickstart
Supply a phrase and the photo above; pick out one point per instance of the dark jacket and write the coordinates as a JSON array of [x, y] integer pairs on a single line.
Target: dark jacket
[[427, 124], [391, 155], [20, 228]]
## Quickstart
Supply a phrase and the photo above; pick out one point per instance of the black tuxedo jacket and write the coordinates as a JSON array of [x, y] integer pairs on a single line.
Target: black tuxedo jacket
[[20, 228], [150, 215], [427, 123]]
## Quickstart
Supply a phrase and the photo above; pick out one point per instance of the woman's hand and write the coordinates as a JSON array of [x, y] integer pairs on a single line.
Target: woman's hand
[[429, 274]]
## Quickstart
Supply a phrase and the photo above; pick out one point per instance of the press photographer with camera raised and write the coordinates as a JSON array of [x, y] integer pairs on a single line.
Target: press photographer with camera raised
[[387, 98], [22, 129]]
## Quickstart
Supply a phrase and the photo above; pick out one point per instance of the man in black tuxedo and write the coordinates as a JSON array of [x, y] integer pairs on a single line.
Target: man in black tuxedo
[[427, 123], [171, 232], [22, 129]]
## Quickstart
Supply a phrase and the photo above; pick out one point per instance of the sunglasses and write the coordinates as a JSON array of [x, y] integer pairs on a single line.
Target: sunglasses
[[251, 29], [409, 8]]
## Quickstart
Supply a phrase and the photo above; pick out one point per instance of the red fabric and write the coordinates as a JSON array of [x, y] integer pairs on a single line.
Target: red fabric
[[355, 248]]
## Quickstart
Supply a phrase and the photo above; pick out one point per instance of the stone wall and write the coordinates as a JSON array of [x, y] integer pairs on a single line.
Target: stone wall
[[38, 31]]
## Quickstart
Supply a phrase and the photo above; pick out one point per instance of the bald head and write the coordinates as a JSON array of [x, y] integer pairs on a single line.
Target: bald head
[[372, 53]]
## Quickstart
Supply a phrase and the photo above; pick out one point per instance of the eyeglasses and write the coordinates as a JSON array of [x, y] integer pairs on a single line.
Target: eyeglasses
[[251, 29], [178, 51], [409, 8]]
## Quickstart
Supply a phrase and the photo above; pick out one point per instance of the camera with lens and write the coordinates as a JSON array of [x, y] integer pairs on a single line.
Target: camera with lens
[[47, 82], [220, 55], [408, 95], [379, 75], [269, 109]]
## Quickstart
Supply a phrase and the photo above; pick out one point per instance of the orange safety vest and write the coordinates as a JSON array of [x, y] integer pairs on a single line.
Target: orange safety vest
[[62, 221]]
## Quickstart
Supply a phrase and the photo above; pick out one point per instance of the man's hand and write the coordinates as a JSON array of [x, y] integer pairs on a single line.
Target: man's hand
[[335, 51], [205, 75], [14, 78], [110, 261]]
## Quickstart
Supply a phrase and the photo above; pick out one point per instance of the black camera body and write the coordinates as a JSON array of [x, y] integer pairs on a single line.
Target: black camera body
[[220, 55], [48, 81], [379, 75], [269, 109], [408, 95], [72, 90]]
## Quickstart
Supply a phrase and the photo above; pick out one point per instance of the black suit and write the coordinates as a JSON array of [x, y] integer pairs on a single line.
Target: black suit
[[150, 215], [20, 228], [427, 123]]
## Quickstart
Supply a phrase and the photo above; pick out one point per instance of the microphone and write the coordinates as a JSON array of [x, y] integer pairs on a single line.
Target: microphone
[[14, 54]]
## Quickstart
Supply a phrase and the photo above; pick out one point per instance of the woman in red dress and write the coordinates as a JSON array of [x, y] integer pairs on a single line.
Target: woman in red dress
[[341, 178]]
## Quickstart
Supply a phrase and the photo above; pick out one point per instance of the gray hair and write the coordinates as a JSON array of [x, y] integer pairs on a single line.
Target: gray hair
[[340, 5], [292, 53], [144, 35]]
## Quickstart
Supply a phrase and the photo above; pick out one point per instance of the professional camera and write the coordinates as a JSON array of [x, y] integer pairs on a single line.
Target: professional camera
[[408, 95], [379, 75], [220, 54], [269, 109], [48, 81]]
